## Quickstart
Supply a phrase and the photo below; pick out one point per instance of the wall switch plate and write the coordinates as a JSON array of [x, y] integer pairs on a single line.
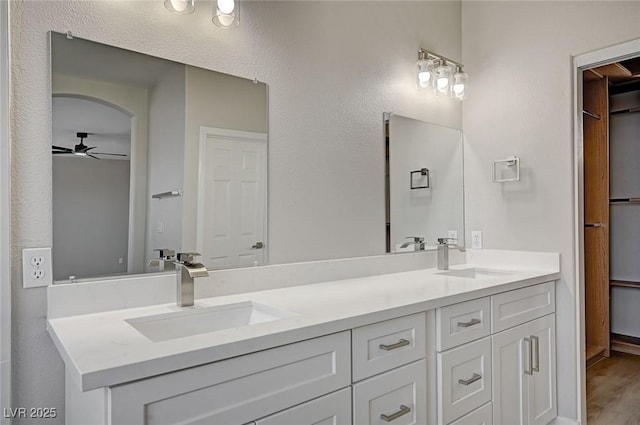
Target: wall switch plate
[[36, 267], [476, 239], [452, 234]]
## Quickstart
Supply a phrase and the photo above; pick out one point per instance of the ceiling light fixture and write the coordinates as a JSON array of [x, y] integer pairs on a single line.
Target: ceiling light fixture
[[226, 14], [442, 75], [181, 7]]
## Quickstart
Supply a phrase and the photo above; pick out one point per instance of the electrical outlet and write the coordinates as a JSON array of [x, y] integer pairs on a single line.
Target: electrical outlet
[[476, 239], [452, 234], [36, 267]]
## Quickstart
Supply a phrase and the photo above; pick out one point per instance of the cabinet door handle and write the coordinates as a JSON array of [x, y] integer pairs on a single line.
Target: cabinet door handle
[[403, 342], [470, 323], [530, 370], [536, 363], [392, 417], [474, 377]]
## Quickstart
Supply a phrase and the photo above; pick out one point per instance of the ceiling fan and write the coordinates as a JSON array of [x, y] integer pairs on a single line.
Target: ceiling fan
[[81, 149]]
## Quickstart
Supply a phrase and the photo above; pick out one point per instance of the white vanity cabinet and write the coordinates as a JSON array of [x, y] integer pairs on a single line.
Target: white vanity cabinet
[[235, 391], [332, 409], [389, 372], [496, 359], [524, 373]]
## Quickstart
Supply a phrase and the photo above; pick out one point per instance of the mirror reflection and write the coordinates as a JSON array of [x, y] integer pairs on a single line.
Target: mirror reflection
[[425, 186], [153, 157]]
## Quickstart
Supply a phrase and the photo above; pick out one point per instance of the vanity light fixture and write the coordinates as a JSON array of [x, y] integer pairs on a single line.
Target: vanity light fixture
[[181, 7], [226, 14], [442, 75]]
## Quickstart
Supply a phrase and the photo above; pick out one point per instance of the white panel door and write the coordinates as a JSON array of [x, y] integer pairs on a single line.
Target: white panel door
[[232, 198], [542, 384], [510, 359]]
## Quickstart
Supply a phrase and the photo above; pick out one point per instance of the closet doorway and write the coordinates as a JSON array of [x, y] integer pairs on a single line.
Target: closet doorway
[[611, 129], [611, 235]]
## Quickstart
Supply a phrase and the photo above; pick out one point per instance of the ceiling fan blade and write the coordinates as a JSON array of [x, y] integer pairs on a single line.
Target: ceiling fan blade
[[61, 148], [112, 154], [59, 152], [92, 156]]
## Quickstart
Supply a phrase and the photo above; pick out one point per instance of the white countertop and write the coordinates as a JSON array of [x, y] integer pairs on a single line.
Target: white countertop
[[101, 349]]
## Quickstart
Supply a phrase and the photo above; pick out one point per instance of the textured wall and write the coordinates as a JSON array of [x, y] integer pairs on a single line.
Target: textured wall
[[519, 56], [333, 68]]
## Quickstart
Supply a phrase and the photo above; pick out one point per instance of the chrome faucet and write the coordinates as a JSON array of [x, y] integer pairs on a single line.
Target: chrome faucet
[[187, 271], [165, 260], [443, 252], [418, 241]]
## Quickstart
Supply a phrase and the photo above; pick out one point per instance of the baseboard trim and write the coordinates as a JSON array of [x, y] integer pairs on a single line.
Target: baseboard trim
[[561, 420]]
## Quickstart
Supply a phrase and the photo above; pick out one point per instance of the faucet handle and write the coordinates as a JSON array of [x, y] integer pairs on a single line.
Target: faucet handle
[[416, 239], [186, 257], [165, 253], [445, 241]]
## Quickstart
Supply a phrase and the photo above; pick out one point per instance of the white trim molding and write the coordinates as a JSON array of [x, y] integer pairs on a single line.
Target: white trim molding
[[5, 217], [582, 62]]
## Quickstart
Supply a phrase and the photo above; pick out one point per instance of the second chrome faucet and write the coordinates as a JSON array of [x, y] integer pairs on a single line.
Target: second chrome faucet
[[187, 271], [443, 252]]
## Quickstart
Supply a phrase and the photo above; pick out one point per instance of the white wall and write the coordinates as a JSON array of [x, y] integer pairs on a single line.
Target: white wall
[[166, 161], [519, 58], [91, 220], [333, 68], [5, 217], [132, 100]]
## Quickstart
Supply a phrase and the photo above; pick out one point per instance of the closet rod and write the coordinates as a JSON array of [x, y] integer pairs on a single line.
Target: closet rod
[[591, 114], [625, 111], [625, 201]]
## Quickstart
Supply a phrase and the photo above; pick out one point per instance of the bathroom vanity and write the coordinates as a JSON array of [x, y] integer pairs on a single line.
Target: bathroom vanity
[[472, 345]]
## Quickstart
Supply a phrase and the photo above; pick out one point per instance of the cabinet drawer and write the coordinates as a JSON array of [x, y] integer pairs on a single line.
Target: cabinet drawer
[[464, 379], [513, 308], [385, 345], [463, 322], [237, 390], [332, 409], [481, 416], [397, 397]]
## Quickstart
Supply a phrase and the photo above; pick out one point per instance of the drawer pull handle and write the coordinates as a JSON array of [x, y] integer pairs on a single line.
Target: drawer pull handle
[[402, 343], [470, 323], [475, 377], [403, 411]]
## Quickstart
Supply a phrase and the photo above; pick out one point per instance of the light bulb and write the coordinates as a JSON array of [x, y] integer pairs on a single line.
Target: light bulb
[[424, 69], [460, 84], [226, 6], [423, 79], [182, 7], [226, 14], [179, 5], [443, 79]]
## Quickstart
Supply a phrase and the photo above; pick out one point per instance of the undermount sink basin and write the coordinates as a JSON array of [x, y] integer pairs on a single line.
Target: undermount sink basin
[[476, 273], [200, 320]]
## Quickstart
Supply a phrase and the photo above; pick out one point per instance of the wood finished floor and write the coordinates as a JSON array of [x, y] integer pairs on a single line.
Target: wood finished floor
[[613, 391]]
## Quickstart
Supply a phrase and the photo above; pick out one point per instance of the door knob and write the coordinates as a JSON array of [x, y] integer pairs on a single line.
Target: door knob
[[258, 245]]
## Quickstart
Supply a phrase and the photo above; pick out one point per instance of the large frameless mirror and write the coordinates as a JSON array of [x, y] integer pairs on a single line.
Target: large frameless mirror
[[152, 157], [425, 184]]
